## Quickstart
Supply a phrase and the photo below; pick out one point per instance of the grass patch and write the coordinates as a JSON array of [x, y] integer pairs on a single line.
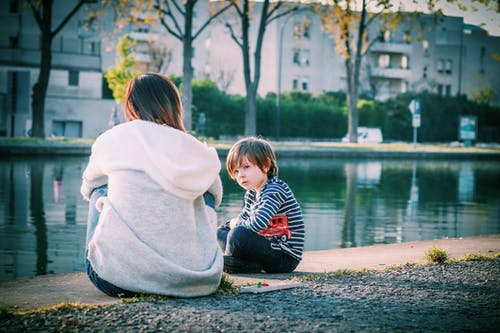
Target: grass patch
[[337, 274], [6, 313], [50, 141], [435, 255], [144, 298], [61, 307], [402, 266], [226, 285], [475, 257]]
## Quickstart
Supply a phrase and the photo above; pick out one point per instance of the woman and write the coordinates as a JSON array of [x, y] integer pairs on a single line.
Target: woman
[[150, 229]]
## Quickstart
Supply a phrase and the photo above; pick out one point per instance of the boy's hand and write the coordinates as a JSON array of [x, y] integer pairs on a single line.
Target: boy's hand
[[233, 223]]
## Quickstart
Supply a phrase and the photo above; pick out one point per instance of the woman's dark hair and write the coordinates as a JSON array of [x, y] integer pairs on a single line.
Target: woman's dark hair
[[154, 97]]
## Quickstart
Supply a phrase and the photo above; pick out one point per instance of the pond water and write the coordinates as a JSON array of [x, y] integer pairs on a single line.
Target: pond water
[[346, 203]]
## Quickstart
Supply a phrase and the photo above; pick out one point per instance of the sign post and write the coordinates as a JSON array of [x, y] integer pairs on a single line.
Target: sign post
[[415, 109], [467, 129]]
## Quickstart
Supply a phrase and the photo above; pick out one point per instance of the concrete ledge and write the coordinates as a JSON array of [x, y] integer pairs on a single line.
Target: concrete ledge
[[63, 149], [50, 290]]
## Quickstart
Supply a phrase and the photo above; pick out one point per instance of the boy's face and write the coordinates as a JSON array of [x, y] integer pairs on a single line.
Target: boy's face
[[250, 176]]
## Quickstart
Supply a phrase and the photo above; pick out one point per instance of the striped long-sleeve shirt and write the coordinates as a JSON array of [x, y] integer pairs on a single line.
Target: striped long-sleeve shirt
[[275, 198]]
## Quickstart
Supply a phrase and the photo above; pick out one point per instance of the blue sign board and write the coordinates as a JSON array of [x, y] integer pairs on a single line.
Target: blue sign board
[[467, 128]]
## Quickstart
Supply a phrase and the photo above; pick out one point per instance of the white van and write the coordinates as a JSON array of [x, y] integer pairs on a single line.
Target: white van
[[367, 135]]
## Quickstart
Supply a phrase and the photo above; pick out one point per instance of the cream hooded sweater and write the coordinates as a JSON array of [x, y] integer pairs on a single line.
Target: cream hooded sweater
[[155, 234]]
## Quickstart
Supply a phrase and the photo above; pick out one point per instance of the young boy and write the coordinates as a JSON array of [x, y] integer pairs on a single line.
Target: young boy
[[248, 242]]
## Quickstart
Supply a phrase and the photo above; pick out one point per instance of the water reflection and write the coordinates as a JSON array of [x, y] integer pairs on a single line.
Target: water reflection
[[345, 203], [37, 215]]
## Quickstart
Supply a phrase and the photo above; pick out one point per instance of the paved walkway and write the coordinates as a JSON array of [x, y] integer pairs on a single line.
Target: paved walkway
[[48, 290]]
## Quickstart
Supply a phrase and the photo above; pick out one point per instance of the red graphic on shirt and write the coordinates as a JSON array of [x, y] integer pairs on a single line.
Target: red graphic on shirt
[[278, 228]]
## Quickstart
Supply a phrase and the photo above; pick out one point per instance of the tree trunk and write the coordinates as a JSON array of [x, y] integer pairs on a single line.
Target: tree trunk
[[40, 87], [187, 87], [352, 104], [251, 112], [187, 69]]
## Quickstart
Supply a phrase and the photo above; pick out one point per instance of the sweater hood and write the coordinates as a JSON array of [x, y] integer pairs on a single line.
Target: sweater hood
[[176, 160]]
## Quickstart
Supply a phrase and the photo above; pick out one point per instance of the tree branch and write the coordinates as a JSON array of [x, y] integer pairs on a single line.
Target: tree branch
[[67, 18], [233, 36], [210, 20], [168, 13], [36, 13]]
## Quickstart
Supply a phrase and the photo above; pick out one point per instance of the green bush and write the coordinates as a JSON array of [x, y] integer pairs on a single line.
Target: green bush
[[325, 116], [436, 255]]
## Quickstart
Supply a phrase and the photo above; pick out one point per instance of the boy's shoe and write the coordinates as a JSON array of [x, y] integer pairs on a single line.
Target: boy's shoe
[[233, 266]]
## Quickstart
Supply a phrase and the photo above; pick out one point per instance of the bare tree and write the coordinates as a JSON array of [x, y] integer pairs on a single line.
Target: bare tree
[[269, 11], [348, 26], [42, 11], [347, 22], [224, 77], [177, 17], [160, 56]]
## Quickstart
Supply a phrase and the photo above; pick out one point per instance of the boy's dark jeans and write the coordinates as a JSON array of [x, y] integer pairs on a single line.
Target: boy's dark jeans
[[242, 243]]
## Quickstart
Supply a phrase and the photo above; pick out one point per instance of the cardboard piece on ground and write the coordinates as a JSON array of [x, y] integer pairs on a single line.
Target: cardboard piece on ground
[[264, 288]]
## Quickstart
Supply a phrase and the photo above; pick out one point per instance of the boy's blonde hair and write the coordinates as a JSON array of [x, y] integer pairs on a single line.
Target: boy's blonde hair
[[258, 151]]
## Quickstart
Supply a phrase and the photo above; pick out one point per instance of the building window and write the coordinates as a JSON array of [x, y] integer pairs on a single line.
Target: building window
[[387, 36], [407, 37], [444, 66], [305, 57], [425, 73], [404, 62], [444, 89], [440, 66], [14, 7], [94, 48], [73, 78], [295, 84], [296, 30], [13, 42], [442, 36], [305, 85], [67, 128], [482, 55], [384, 60], [447, 66], [404, 86], [448, 90], [425, 47], [296, 57], [307, 30], [302, 30]]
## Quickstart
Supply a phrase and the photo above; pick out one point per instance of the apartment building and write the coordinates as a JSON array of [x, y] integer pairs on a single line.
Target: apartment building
[[74, 106], [446, 57]]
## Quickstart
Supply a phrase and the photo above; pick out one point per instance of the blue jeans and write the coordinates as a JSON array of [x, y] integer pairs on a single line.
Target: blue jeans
[[244, 244], [93, 218]]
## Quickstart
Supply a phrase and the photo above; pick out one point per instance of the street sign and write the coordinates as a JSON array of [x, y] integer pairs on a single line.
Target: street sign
[[467, 130], [415, 109], [415, 120], [415, 106]]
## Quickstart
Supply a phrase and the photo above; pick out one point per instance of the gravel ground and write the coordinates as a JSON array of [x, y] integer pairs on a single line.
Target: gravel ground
[[460, 297]]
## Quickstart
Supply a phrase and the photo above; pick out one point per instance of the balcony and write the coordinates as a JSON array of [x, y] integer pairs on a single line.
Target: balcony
[[25, 57], [401, 48], [391, 73]]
